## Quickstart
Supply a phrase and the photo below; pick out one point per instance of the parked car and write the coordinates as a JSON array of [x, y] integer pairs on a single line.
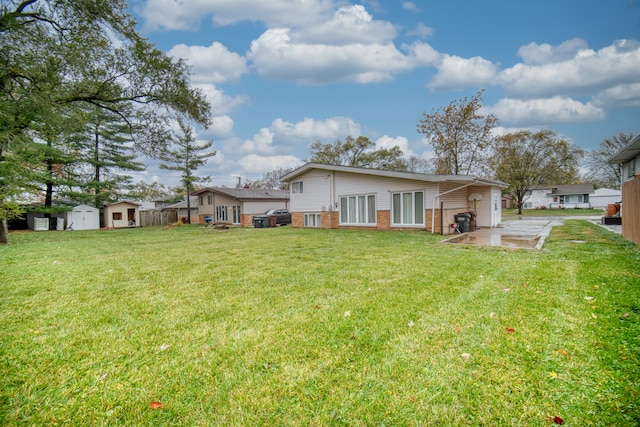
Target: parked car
[[283, 217]]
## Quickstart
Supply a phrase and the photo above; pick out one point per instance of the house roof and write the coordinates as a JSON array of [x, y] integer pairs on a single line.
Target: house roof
[[628, 152], [247, 193], [122, 202], [183, 204], [465, 179], [607, 192], [573, 189]]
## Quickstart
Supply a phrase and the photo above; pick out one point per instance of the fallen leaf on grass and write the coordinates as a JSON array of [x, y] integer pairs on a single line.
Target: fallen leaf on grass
[[164, 347], [553, 375], [317, 307], [588, 298], [155, 405], [555, 419], [457, 329], [492, 314], [465, 356], [347, 314], [411, 398], [506, 289], [511, 330], [564, 353], [411, 323]]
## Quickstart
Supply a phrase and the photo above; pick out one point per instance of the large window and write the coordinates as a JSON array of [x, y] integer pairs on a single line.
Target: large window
[[297, 187], [358, 210], [407, 208], [574, 198], [228, 214]]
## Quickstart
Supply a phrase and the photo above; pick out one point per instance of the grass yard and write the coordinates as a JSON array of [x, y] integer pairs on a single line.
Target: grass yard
[[289, 327]]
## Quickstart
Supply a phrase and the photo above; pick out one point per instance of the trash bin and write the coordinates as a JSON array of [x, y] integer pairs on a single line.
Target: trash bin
[[273, 220], [463, 220], [261, 222]]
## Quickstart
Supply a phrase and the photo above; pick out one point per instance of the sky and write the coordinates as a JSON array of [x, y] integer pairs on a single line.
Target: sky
[[282, 74]]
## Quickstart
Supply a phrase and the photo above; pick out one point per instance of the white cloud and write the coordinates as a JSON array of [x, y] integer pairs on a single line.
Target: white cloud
[[620, 96], [390, 142], [421, 31], [220, 103], [275, 56], [311, 130], [254, 164], [262, 142], [211, 64], [538, 54], [410, 6], [221, 126], [544, 111], [586, 72], [349, 25], [187, 14], [455, 72]]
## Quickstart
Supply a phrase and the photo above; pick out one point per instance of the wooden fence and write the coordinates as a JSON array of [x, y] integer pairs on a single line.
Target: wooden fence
[[631, 210], [155, 217]]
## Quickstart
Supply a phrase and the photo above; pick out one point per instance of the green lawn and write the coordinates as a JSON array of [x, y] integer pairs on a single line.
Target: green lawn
[[283, 326]]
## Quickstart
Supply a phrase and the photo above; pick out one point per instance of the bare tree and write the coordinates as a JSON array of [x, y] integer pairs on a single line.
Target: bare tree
[[601, 173], [460, 136]]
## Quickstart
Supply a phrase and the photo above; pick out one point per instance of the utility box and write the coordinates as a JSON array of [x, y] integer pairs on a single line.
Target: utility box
[[463, 220]]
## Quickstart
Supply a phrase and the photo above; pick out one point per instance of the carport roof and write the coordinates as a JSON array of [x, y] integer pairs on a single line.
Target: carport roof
[[464, 179]]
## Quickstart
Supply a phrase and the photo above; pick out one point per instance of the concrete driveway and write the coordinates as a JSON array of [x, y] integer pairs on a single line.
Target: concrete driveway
[[518, 233]]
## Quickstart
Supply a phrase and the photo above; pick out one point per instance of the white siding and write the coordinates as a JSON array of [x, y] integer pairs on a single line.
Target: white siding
[[316, 192], [351, 184]]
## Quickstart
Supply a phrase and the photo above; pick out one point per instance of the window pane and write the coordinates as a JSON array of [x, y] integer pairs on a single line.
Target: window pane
[[397, 208], [352, 209], [406, 207], [362, 206], [419, 208], [371, 209], [344, 214]]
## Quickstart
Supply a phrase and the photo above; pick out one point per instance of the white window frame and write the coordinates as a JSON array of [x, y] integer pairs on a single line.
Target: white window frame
[[574, 198], [312, 220], [358, 210], [297, 187], [407, 219]]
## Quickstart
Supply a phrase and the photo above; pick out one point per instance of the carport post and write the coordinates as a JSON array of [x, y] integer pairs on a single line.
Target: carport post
[[433, 205]]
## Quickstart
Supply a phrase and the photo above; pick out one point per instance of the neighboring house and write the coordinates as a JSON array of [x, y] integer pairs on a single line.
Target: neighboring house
[[181, 209], [629, 158], [328, 196], [605, 196], [121, 214], [237, 205], [568, 196]]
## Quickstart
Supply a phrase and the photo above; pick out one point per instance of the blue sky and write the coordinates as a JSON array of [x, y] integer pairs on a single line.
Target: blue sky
[[282, 74]]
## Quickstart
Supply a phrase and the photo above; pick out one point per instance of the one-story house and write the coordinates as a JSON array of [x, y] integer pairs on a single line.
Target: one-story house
[[237, 205], [121, 214], [629, 158], [330, 196], [602, 197], [182, 210], [567, 196]]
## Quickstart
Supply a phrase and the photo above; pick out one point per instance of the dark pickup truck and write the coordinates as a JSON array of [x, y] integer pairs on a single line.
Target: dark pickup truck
[[283, 217]]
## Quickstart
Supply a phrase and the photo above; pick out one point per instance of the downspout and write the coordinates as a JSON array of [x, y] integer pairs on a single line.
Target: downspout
[[433, 204]]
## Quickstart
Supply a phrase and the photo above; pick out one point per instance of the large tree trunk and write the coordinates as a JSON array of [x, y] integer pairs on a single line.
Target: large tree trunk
[[4, 232]]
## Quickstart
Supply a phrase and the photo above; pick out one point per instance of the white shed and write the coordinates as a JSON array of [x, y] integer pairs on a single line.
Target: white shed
[[604, 197], [83, 217]]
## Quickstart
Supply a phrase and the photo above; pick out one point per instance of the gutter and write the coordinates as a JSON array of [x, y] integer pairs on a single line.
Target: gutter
[[433, 204]]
